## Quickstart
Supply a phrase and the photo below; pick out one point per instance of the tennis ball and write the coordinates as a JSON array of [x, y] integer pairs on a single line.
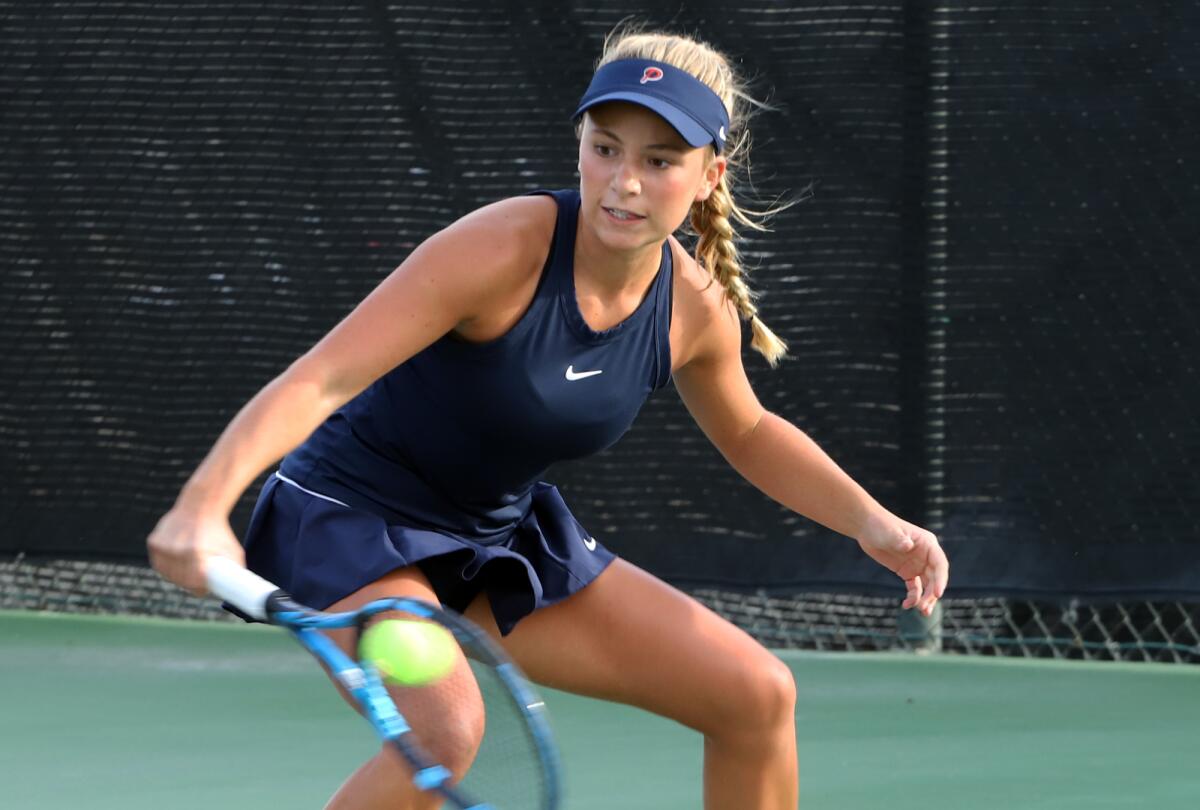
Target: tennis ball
[[409, 653]]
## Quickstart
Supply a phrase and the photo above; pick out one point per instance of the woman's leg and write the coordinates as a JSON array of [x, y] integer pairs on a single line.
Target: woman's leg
[[630, 637], [452, 705]]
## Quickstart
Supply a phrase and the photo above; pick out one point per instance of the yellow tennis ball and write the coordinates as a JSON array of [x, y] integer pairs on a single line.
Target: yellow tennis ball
[[409, 653]]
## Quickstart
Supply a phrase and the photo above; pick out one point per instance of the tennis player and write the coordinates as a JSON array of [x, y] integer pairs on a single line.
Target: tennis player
[[415, 433]]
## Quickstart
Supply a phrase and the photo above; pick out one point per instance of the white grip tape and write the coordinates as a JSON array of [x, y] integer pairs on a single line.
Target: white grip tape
[[243, 589]]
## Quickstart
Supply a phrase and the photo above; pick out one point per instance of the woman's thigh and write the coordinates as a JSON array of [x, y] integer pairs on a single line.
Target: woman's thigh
[[452, 705], [632, 638], [403, 582]]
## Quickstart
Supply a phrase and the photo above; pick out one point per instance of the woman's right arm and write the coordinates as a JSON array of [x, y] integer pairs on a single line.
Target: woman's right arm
[[445, 283]]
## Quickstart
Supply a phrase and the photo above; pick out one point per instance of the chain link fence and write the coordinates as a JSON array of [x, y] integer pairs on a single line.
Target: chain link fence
[[1123, 631]]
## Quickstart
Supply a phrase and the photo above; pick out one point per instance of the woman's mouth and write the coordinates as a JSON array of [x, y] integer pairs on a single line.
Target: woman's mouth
[[621, 215]]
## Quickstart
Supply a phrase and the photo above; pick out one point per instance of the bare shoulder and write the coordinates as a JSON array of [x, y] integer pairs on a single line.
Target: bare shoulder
[[703, 320], [507, 239], [514, 216], [471, 277]]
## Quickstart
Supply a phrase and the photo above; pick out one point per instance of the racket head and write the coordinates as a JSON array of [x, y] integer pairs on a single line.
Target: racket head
[[516, 764], [513, 762], [487, 701]]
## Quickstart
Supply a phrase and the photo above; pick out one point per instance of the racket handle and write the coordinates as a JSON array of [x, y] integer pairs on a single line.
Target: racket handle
[[243, 589]]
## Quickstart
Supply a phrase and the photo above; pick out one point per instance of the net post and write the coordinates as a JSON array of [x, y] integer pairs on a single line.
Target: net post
[[921, 634]]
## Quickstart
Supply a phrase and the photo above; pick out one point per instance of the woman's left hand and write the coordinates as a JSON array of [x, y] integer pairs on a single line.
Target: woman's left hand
[[911, 553]]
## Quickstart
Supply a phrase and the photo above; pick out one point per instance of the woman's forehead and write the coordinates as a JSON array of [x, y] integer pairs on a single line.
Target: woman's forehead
[[625, 118]]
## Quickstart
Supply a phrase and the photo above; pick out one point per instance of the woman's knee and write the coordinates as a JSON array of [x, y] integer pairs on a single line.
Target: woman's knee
[[446, 717], [447, 727], [454, 732], [763, 701]]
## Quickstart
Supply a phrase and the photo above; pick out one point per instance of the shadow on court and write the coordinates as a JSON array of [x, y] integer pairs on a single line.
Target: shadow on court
[[111, 713]]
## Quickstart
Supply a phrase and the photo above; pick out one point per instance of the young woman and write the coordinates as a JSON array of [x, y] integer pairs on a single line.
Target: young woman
[[528, 332]]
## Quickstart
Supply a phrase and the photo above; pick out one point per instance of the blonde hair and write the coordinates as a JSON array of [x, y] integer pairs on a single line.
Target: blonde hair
[[710, 219]]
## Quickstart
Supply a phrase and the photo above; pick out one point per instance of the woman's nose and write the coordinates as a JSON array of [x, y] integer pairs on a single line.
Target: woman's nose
[[626, 180]]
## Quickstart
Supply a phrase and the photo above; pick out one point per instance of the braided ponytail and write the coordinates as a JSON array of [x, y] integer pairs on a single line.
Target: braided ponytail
[[717, 252], [711, 219]]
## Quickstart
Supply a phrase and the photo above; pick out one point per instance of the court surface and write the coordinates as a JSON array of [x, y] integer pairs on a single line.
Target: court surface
[[109, 713]]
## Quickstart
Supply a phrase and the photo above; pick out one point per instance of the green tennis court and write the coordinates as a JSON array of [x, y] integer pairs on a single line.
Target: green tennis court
[[109, 713]]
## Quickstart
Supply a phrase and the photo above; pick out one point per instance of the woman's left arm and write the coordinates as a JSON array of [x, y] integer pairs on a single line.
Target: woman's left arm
[[782, 461]]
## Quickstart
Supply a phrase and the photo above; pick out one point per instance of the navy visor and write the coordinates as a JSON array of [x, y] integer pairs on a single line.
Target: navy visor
[[688, 104]]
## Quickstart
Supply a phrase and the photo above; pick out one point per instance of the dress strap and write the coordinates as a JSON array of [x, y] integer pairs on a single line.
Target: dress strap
[[664, 297], [561, 260]]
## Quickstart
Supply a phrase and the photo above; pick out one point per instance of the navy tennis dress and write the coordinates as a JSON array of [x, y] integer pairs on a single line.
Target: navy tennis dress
[[439, 462]]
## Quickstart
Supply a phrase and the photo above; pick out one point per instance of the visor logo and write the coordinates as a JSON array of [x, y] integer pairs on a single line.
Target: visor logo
[[651, 74]]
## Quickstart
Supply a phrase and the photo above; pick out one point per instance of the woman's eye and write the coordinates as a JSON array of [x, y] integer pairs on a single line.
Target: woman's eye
[[659, 163], [602, 150]]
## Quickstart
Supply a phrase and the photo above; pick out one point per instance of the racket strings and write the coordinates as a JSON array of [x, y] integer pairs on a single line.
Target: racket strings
[[507, 770], [448, 718], [472, 723]]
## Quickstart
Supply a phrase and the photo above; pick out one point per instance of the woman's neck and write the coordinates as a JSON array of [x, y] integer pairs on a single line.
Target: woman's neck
[[611, 272]]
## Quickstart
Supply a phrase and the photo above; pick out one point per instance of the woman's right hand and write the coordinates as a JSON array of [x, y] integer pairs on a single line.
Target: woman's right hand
[[182, 542]]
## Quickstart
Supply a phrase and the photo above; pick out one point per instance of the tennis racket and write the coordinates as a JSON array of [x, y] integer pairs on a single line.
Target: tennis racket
[[516, 764]]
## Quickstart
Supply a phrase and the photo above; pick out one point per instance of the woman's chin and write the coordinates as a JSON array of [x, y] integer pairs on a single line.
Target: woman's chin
[[625, 237]]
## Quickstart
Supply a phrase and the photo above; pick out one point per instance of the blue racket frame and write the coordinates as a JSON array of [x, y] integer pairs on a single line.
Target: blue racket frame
[[364, 683]]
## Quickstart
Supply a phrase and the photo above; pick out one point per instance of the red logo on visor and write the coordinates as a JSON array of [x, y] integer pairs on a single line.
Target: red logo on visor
[[651, 74]]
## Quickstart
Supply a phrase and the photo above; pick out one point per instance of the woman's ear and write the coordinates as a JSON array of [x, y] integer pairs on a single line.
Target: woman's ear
[[712, 176]]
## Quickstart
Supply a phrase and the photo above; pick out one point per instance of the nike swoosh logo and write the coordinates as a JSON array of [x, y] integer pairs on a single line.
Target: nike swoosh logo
[[573, 375], [590, 543]]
